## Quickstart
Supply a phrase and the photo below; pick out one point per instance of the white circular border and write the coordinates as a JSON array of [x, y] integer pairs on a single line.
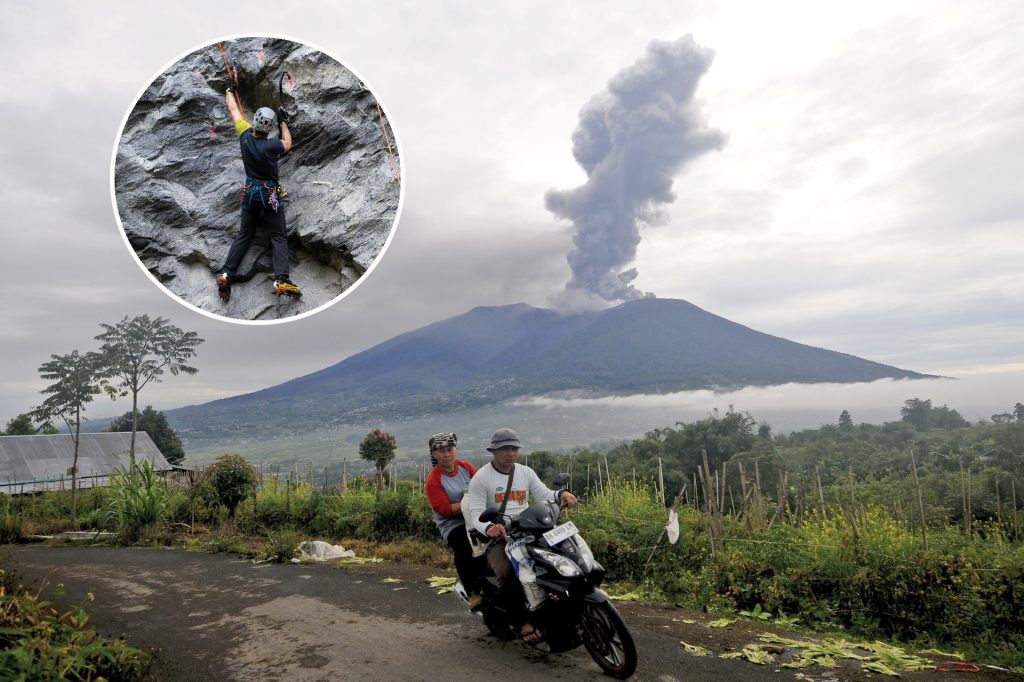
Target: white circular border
[[283, 320]]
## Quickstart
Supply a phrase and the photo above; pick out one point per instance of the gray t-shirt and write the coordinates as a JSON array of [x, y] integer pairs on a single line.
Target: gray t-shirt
[[487, 489]]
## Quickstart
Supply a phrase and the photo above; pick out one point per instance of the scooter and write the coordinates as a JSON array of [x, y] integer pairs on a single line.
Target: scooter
[[574, 610]]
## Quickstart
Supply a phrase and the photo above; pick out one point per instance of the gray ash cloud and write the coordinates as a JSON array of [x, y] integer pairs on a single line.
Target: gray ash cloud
[[632, 138]]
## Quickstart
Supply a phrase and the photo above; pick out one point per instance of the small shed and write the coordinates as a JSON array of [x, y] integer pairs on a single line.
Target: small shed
[[30, 464]]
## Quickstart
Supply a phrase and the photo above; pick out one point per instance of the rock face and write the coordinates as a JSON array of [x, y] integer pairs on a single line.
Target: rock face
[[178, 173]]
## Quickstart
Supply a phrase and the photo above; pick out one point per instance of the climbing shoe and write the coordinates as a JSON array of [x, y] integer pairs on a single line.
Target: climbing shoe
[[224, 286], [284, 286]]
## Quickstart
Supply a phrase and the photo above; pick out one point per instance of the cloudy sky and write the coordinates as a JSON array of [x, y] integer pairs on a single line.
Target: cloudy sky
[[865, 194]]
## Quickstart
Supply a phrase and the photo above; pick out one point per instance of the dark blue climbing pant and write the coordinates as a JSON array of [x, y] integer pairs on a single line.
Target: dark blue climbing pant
[[254, 216]]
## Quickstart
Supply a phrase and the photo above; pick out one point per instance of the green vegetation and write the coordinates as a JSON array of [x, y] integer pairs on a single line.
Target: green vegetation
[[77, 378], [138, 350], [155, 424], [138, 500], [228, 481], [880, 531], [25, 425], [39, 642], [379, 448]]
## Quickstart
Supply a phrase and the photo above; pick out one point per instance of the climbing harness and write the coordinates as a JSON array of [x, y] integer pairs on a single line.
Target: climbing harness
[[266, 190]]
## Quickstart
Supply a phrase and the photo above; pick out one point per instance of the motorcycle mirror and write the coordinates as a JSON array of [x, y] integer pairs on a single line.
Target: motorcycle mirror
[[561, 480], [490, 515]]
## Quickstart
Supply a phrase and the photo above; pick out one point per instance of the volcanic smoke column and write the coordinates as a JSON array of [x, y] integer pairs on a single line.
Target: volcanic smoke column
[[631, 139]]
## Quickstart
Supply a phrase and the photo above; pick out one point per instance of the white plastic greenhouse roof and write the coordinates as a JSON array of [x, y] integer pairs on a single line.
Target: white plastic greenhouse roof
[[35, 463]]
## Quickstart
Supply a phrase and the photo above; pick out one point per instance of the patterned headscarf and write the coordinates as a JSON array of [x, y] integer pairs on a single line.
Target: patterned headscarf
[[443, 440]]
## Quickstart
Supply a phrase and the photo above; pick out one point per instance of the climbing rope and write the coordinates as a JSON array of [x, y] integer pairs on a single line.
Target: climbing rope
[[384, 129]]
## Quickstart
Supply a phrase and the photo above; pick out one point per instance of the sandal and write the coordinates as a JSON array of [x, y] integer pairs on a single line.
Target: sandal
[[529, 634]]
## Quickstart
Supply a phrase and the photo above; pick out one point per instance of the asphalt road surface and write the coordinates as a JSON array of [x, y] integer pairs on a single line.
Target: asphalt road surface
[[215, 617]]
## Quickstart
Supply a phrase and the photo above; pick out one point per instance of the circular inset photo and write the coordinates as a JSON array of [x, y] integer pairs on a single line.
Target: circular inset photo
[[257, 179]]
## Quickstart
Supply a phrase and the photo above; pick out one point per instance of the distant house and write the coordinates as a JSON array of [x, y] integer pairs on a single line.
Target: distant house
[[30, 464]]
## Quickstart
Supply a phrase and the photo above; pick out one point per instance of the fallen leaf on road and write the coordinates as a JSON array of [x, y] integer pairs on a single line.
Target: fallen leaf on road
[[694, 649]]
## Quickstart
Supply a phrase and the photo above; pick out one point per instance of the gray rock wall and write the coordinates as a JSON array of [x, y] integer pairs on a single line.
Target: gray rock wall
[[178, 173]]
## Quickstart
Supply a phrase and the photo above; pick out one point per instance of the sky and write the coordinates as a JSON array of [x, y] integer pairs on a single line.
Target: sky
[[864, 191]]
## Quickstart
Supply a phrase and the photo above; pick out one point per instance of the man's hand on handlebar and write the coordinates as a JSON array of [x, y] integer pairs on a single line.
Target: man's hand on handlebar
[[567, 499], [496, 530]]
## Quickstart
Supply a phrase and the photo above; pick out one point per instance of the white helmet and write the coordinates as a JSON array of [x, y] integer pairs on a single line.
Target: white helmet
[[264, 120]]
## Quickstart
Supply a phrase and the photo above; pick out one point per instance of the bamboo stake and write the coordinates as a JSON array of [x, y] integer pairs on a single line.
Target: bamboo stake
[[721, 489], [1013, 493], [853, 500], [920, 499], [963, 500], [999, 504], [745, 501], [970, 507], [661, 483], [821, 494]]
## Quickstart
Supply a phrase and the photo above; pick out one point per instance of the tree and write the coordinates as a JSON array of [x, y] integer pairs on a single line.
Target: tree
[[229, 480], [923, 416], [25, 425], [378, 447], [916, 411], [155, 424], [77, 378], [139, 350], [845, 421]]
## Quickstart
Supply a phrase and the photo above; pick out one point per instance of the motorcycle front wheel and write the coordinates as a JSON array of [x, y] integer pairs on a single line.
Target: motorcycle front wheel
[[607, 640]]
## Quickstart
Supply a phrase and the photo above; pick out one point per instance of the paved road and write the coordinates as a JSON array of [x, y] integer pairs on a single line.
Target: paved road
[[214, 617]]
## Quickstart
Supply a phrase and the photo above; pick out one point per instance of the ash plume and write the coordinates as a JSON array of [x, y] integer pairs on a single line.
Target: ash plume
[[631, 139]]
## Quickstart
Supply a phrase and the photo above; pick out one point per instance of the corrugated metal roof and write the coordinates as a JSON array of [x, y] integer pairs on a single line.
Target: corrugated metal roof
[[33, 463]]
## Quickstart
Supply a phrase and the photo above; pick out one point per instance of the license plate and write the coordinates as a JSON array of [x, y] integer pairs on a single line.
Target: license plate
[[559, 533]]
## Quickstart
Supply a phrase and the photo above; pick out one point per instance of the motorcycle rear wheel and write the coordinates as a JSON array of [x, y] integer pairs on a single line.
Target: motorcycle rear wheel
[[608, 641]]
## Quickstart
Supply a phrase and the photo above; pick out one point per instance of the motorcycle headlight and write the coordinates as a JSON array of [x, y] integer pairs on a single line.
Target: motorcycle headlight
[[564, 566]]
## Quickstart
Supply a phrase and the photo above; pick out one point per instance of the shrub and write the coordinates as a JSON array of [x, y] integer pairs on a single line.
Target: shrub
[[138, 499], [229, 480], [38, 642]]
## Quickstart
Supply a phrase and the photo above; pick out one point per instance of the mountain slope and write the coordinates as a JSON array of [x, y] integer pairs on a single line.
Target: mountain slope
[[491, 354]]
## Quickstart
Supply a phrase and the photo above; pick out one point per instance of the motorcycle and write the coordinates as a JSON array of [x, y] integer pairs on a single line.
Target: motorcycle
[[574, 609]]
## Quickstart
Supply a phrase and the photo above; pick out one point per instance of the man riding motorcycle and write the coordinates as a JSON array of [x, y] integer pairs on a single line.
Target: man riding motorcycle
[[504, 482]]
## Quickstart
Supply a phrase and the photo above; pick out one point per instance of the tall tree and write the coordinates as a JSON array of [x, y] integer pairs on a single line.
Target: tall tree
[[378, 447], [845, 421], [77, 379], [155, 424], [139, 350]]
